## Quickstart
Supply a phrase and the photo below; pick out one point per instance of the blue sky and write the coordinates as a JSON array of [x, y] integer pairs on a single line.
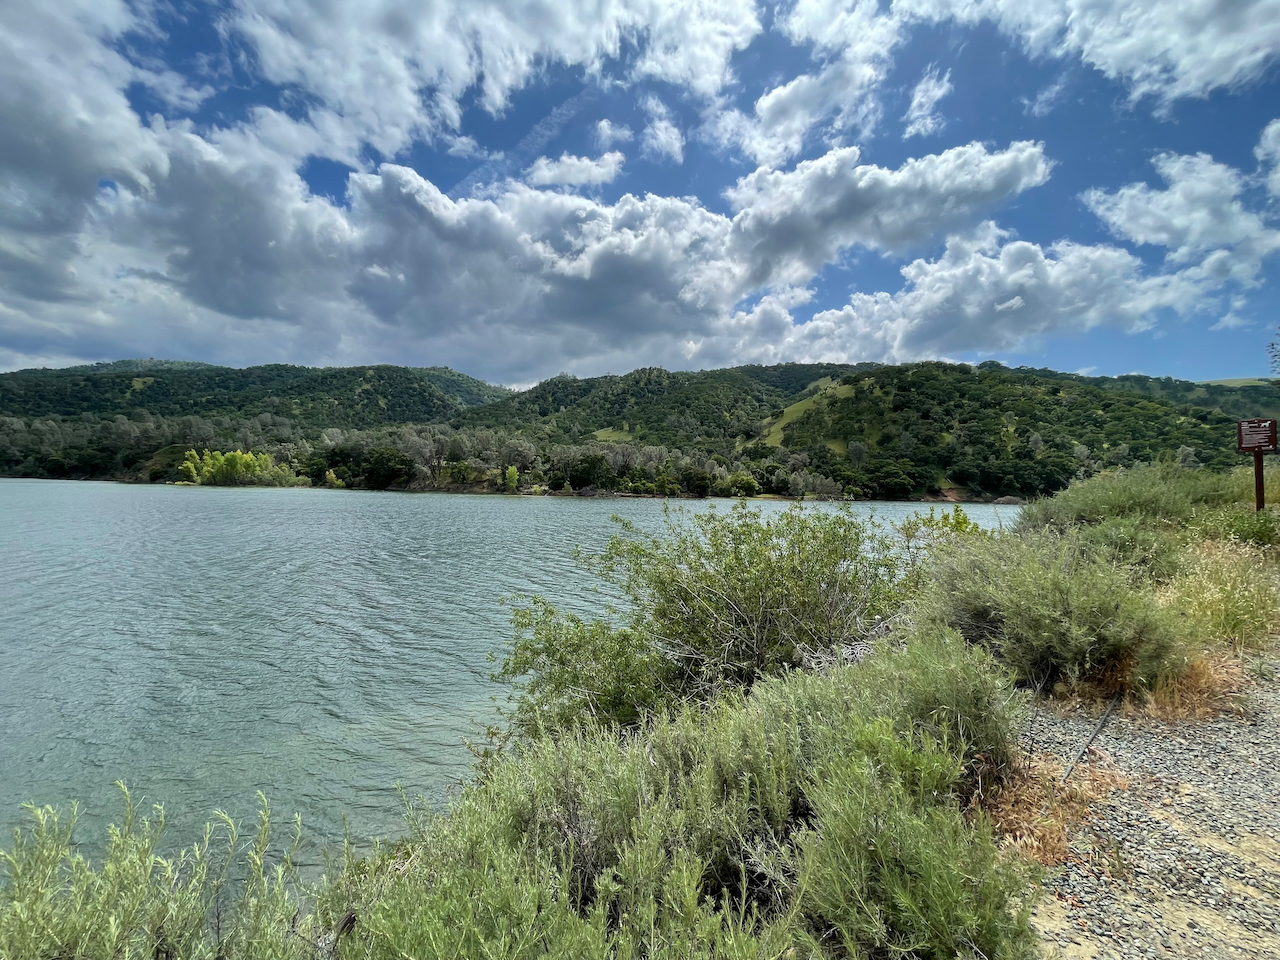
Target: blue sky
[[526, 187]]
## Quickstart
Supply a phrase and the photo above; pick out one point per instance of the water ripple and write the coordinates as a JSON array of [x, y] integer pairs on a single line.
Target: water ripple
[[319, 646]]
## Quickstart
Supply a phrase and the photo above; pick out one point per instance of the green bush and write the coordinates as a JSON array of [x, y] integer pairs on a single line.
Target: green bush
[[934, 684], [1050, 609], [1156, 492], [565, 671], [718, 602], [732, 597], [237, 469], [820, 812], [55, 903], [1152, 552]]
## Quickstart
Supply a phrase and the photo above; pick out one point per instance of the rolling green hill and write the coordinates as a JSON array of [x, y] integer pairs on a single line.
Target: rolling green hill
[[359, 397], [714, 408], [936, 425], [865, 429]]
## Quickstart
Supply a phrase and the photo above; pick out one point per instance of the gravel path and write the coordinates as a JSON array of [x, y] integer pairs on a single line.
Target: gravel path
[[1184, 863]]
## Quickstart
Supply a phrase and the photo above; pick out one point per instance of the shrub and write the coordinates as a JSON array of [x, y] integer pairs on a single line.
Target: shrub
[[731, 597], [1149, 551], [933, 684], [882, 877], [214, 468], [717, 603], [55, 903], [1156, 492], [1049, 610], [789, 816], [1261, 528], [566, 671]]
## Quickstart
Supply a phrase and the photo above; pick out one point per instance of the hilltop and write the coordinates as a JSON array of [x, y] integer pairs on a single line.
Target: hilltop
[[321, 397], [863, 429]]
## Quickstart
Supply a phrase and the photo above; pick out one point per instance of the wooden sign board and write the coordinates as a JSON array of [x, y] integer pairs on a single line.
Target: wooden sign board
[[1256, 436]]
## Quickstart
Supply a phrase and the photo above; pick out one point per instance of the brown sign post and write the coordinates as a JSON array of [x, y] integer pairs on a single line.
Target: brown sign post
[[1257, 437]]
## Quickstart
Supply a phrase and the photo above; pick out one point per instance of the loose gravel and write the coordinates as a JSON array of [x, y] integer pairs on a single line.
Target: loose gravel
[[1186, 861]]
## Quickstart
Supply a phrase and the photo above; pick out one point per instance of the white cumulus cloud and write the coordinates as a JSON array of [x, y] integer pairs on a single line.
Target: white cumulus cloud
[[1159, 49], [1268, 154], [575, 171], [609, 134], [1200, 210]]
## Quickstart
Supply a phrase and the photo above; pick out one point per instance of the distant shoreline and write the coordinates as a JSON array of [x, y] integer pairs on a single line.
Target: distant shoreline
[[588, 494]]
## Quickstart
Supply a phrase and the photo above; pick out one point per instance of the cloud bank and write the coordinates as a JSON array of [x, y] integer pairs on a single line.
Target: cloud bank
[[173, 230]]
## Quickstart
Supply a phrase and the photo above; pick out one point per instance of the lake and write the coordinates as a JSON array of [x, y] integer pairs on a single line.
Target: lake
[[202, 644]]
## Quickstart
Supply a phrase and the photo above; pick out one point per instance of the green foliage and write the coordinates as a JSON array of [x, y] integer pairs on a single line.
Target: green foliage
[[857, 430], [320, 397], [718, 602], [511, 479], [816, 813], [220, 897], [385, 467], [1260, 528], [1050, 609], [566, 671], [934, 684], [1155, 493], [729, 597], [1149, 551], [237, 469], [997, 431]]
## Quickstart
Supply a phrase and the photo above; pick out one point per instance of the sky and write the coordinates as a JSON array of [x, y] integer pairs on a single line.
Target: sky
[[520, 188]]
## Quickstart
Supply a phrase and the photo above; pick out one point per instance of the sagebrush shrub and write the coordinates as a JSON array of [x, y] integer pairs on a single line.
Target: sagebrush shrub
[[720, 601], [200, 903], [1160, 492], [821, 811], [1049, 609]]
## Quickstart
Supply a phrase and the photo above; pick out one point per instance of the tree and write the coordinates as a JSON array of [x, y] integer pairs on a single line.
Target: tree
[[511, 480], [385, 467]]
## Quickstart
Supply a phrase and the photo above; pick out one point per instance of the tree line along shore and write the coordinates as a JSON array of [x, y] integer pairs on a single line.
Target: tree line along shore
[[797, 740], [914, 431]]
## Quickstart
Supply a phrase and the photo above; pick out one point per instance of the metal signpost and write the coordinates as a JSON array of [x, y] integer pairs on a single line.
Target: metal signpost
[[1257, 437]]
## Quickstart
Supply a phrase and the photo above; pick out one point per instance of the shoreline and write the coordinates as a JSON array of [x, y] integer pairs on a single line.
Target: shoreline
[[585, 494]]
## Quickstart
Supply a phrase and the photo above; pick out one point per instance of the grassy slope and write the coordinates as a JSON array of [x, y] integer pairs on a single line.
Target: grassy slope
[[827, 389]]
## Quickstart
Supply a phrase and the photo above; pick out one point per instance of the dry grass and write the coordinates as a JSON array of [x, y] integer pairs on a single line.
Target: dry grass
[[1226, 594], [1211, 685], [1035, 813]]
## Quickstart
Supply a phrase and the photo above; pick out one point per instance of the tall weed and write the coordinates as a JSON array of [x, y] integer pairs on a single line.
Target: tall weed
[[1227, 594]]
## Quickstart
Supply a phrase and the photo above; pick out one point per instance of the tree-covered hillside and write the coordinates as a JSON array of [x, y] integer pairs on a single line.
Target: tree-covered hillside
[[708, 408], [1238, 399], [790, 429], [997, 430], [325, 397]]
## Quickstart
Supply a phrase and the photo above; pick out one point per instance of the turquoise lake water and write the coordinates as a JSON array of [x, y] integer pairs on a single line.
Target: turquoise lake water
[[319, 646]]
